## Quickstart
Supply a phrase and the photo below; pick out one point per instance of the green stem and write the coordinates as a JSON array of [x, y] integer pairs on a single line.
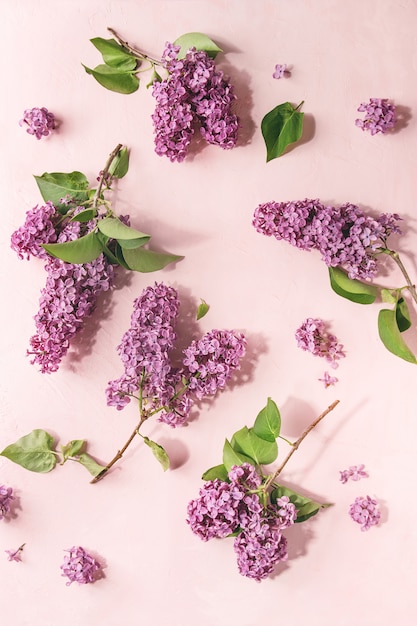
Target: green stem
[[104, 174], [410, 285], [137, 53], [296, 444]]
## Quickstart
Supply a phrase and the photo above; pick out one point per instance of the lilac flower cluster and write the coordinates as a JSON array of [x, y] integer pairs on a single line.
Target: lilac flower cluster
[[313, 337], [71, 290], [344, 236], [39, 122], [194, 91], [223, 508], [80, 567], [145, 352], [365, 511], [355, 472], [6, 496], [379, 116]]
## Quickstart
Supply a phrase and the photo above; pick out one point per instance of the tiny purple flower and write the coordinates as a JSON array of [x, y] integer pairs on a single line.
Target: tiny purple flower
[[364, 511], [379, 116], [280, 71], [15, 555], [6, 496], [355, 472], [40, 122], [80, 567], [328, 380]]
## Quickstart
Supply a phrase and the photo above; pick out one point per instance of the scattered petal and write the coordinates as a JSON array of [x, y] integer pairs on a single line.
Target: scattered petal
[[280, 71], [355, 472]]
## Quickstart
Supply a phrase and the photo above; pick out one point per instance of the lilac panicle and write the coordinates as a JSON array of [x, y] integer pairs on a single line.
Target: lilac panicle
[[379, 116], [259, 550], [38, 228], [80, 567], [365, 511], [345, 236], [39, 122], [313, 337], [6, 496], [194, 91]]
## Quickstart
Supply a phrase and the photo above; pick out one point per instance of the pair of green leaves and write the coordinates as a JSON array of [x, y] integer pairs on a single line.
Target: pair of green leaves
[[281, 127], [391, 322], [35, 452], [258, 446], [119, 71]]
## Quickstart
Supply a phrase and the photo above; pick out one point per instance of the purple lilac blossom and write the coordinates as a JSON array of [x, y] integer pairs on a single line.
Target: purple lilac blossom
[[144, 348], [280, 71], [328, 380], [379, 116], [38, 228], [355, 472], [80, 567], [313, 337], [15, 555], [39, 122], [194, 91], [364, 511], [6, 496], [345, 236]]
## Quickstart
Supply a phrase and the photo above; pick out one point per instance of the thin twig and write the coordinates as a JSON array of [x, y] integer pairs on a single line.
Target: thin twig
[[104, 174], [118, 454], [298, 442], [137, 53], [411, 287]]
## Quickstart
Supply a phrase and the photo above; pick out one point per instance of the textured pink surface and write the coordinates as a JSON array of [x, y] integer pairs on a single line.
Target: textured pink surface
[[157, 572]]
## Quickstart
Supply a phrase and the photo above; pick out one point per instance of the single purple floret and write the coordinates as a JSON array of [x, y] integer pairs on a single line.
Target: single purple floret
[[280, 71]]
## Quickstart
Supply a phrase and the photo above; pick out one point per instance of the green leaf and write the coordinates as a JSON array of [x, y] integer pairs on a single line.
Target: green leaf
[[218, 471], [33, 452], [113, 79], [158, 452], [268, 422], [56, 185], [261, 451], [402, 315], [281, 127], [73, 448], [389, 295], [82, 250], [120, 164], [115, 229], [130, 244], [84, 216], [202, 309], [114, 54], [155, 78], [390, 335], [351, 289], [231, 457], [306, 508], [142, 260], [90, 464], [199, 41]]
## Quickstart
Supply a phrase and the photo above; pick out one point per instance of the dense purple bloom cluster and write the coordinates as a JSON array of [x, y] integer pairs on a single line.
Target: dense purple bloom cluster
[[39, 122], [39, 228], [313, 337], [355, 472], [6, 496], [71, 290], [223, 508], [344, 235], [365, 512], [379, 116], [145, 352], [194, 91], [80, 567]]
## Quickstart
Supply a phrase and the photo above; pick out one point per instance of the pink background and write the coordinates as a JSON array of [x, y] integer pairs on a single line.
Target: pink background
[[157, 572]]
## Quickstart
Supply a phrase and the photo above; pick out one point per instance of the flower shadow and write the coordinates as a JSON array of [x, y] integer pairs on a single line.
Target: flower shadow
[[403, 117]]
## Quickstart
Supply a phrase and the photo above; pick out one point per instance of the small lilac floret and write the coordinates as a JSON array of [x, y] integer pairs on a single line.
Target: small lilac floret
[[379, 116], [15, 555], [6, 496], [355, 472], [280, 71], [365, 511], [80, 567], [328, 380], [39, 122]]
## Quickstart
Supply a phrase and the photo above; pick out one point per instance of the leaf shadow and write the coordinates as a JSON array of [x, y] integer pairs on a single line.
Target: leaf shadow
[[309, 131], [177, 451]]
